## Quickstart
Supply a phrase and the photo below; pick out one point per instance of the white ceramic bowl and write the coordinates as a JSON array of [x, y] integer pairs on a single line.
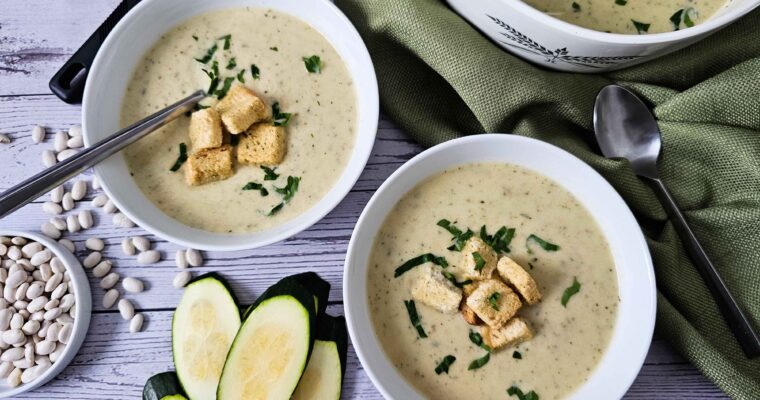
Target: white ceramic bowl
[[137, 32], [636, 313], [81, 288], [553, 43]]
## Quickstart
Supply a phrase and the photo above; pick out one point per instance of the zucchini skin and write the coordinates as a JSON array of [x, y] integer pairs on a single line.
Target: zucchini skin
[[220, 279], [317, 286], [333, 329], [162, 385]]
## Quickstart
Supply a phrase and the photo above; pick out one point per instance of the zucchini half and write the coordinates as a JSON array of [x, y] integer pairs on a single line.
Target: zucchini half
[[323, 377], [204, 326], [162, 386], [317, 286], [272, 347]]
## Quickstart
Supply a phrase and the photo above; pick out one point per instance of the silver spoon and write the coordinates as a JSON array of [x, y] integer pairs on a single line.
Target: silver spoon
[[34, 187], [626, 128]]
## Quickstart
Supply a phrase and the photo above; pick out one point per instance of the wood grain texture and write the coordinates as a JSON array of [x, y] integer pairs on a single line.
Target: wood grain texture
[[36, 37]]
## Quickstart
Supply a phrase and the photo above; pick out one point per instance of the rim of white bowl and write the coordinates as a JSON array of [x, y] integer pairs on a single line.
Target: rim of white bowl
[[81, 322], [650, 38], [348, 178], [634, 346]]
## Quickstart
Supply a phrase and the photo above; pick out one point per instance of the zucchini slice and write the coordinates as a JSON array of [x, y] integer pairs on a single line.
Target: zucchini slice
[[204, 326], [162, 386], [318, 287], [323, 377], [272, 348]]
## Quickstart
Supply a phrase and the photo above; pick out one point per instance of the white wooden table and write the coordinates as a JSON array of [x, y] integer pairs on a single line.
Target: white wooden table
[[36, 37]]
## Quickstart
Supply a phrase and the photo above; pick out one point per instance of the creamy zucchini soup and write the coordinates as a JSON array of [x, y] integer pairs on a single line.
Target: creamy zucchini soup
[[489, 280], [631, 16], [272, 137]]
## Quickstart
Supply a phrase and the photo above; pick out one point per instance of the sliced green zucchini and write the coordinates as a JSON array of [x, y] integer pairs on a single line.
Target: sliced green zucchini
[[174, 397], [272, 348], [162, 386], [323, 377], [317, 286], [204, 326]]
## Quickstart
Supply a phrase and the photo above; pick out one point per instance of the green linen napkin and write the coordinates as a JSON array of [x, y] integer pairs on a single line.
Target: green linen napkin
[[440, 79]]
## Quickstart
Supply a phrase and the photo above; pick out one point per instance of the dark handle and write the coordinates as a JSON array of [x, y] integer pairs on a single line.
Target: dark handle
[[68, 82], [736, 319]]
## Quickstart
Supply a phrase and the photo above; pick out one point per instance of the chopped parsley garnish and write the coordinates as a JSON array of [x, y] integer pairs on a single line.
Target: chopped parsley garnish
[[419, 260], [241, 76], [570, 291], [209, 55], [256, 186], [680, 16], [232, 63], [290, 189], [443, 366], [275, 209], [313, 64], [459, 237], [517, 355], [414, 317], [479, 261], [181, 158], [494, 300], [195, 38], [274, 48], [254, 71], [576, 7], [477, 363], [226, 39], [212, 85], [279, 118], [640, 26], [453, 279], [225, 87], [515, 391], [269, 173], [541, 242], [687, 19], [500, 240], [478, 341], [621, 2]]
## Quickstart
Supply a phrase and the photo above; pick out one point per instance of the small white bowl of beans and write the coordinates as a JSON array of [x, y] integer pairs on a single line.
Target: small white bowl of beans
[[45, 309]]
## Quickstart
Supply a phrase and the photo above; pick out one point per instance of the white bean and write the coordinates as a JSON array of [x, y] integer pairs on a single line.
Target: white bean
[[37, 304], [67, 301], [15, 279], [95, 244], [85, 219], [119, 219], [17, 321], [66, 154], [38, 134], [53, 282], [141, 243], [41, 257], [194, 257], [51, 305], [46, 271], [59, 141], [52, 332], [75, 130], [52, 314], [109, 299], [67, 201], [135, 325], [75, 142], [79, 190], [61, 290], [13, 337], [110, 280], [48, 158], [30, 374], [14, 253], [127, 247], [56, 265], [68, 244], [37, 316], [109, 207], [19, 241], [5, 318], [4, 139], [72, 224], [92, 259], [31, 327], [95, 183], [99, 200], [56, 195], [65, 318], [59, 223], [30, 249], [35, 290], [14, 378], [126, 309], [65, 333], [5, 369], [50, 230], [102, 269], [56, 354], [20, 305], [132, 285], [21, 291], [23, 364], [3, 249], [181, 279], [51, 208], [46, 346], [148, 257]]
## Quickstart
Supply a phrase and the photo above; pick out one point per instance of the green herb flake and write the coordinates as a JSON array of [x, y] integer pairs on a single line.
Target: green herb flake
[[480, 262], [225, 87], [275, 209], [443, 366], [675, 19], [477, 363], [687, 18], [541, 242], [500, 240], [195, 38], [209, 55], [621, 2], [453, 279], [576, 7], [255, 71], [269, 173], [515, 391], [517, 355], [477, 339], [290, 189], [459, 237], [570, 291], [232, 63], [256, 186], [640, 26], [419, 260], [313, 64], [279, 118], [213, 85], [494, 300], [226, 39], [181, 158], [274, 48], [411, 309], [241, 76]]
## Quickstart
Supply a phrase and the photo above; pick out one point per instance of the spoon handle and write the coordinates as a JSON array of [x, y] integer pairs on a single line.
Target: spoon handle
[[34, 187], [736, 319]]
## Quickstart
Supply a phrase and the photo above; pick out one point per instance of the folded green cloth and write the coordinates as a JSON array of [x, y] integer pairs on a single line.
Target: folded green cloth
[[441, 79]]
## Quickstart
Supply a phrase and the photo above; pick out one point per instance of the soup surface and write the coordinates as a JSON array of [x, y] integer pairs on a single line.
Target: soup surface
[[631, 16], [320, 135], [568, 341]]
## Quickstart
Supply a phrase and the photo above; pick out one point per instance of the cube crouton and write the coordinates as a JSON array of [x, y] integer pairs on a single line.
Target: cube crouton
[[264, 143], [241, 108], [205, 129], [494, 302], [514, 332], [477, 268], [209, 165], [469, 316], [517, 277], [434, 290]]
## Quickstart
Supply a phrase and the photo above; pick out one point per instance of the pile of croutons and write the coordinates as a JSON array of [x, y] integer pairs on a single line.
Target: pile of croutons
[[498, 289], [241, 113]]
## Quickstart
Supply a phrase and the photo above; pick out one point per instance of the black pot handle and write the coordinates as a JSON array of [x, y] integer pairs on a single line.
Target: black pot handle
[[68, 82]]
